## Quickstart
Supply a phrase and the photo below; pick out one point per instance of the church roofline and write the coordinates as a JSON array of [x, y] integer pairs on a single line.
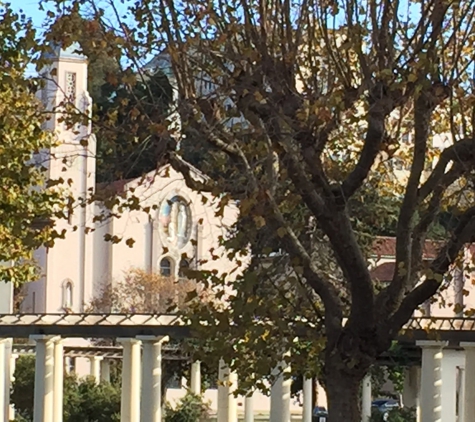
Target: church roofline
[[116, 187], [72, 53]]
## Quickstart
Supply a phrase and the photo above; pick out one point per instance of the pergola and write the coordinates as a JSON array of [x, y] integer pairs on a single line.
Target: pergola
[[142, 336]]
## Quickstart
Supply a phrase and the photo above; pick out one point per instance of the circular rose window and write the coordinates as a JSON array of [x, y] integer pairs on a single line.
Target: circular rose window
[[175, 221]]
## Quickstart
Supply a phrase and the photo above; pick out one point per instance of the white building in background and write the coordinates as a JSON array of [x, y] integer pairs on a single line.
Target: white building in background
[[181, 227]]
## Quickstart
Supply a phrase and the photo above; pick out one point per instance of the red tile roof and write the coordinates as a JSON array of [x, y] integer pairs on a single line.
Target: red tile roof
[[383, 272], [386, 247]]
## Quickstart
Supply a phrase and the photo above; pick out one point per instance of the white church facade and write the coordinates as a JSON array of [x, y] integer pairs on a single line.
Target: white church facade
[[179, 221]]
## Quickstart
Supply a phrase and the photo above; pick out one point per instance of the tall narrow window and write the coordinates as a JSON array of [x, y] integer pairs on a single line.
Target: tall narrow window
[[70, 365], [458, 282], [184, 265], [166, 267], [70, 86], [67, 294]]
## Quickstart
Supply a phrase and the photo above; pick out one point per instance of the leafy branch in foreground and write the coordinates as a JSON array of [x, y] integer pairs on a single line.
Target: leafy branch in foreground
[[27, 203]]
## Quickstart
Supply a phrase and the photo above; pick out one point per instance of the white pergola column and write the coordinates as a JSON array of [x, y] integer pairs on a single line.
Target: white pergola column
[[44, 378], [58, 374], [105, 370], [280, 395], [307, 400], [366, 398], [412, 387], [95, 368], [3, 380], [249, 407], [431, 381], [227, 404], [451, 360], [13, 358], [151, 403], [195, 378], [461, 396], [130, 391], [469, 382]]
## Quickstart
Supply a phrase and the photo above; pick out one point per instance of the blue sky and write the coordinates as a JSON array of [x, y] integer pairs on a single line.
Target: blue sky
[[31, 9]]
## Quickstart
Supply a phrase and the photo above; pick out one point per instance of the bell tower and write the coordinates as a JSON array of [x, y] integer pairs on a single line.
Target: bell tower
[[67, 266]]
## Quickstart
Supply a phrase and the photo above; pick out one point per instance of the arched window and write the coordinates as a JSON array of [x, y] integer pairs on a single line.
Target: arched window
[[67, 294], [184, 265], [166, 267]]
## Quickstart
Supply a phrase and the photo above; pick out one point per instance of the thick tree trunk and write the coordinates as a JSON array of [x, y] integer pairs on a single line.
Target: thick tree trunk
[[343, 396]]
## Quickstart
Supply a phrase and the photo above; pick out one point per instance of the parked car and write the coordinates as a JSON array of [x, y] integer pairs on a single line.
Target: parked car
[[320, 414], [385, 405]]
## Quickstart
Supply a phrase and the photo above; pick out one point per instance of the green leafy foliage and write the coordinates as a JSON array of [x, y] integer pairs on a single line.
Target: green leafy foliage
[[84, 400], [191, 408], [22, 394], [26, 206], [91, 402], [129, 105], [394, 415]]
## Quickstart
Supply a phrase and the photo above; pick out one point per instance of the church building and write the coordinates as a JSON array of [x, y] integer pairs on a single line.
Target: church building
[[178, 230]]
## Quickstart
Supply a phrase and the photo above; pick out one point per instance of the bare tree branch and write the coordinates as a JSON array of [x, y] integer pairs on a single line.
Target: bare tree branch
[[463, 234]]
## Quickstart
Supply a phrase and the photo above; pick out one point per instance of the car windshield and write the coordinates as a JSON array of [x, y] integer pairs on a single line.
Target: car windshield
[[379, 402]]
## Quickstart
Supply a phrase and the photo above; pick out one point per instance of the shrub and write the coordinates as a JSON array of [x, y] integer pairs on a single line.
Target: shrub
[[91, 402], [84, 400], [190, 408], [395, 415], [23, 388]]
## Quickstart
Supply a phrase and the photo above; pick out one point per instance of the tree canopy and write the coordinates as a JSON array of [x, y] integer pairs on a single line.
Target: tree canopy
[[317, 118], [130, 104], [27, 203]]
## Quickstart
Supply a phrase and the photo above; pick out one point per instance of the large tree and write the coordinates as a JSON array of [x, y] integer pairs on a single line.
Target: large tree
[[312, 116], [27, 204]]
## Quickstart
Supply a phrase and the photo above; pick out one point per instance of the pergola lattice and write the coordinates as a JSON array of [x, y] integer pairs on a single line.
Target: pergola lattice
[[133, 325], [170, 352], [93, 325]]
